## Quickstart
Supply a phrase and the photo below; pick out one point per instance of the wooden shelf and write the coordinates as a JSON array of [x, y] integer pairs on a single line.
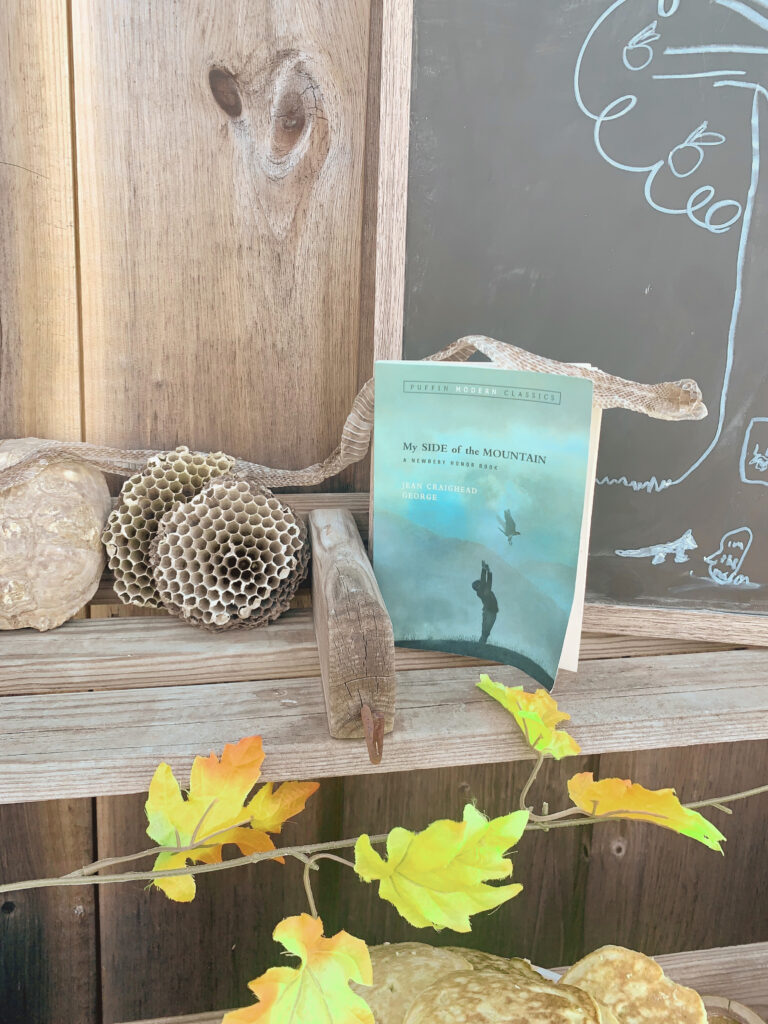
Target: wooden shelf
[[108, 741], [737, 972], [106, 654], [91, 708]]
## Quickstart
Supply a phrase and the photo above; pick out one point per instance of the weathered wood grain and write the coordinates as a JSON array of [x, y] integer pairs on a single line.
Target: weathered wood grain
[[220, 158], [662, 622], [48, 945], [39, 356], [47, 939], [740, 972], [161, 651], [666, 893], [353, 631], [109, 742], [386, 178]]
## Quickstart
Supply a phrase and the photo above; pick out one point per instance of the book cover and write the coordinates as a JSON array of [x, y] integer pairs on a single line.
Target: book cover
[[479, 484]]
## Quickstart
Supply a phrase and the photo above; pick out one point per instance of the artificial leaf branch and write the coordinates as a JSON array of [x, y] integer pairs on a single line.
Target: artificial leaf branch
[[215, 812]]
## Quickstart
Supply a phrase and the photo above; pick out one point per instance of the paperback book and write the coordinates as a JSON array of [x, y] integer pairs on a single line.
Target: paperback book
[[482, 487]]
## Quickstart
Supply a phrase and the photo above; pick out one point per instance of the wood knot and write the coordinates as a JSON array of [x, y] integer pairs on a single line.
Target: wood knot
[[224, 88], [618, 847], [288, 122], [279, 127], [295, 114]]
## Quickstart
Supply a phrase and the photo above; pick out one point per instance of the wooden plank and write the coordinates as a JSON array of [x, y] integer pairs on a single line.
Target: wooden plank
[[653, 891], [48, 946], [110, 742], [662, 622], [740, 972], [353, 631], [387, 176], [47, 939], [737, 972], [216, 944], [39, 357], [221, 169], [161, 651]]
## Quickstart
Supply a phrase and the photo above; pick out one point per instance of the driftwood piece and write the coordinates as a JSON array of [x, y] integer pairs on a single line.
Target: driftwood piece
[[354, 633]]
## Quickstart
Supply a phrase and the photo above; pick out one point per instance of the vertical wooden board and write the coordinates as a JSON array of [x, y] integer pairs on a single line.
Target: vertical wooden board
[[220, 159], [386, 179], [39, 360], [48, 945], [543, 923], [658, 892], [394, 98], [161, 958], [48, 948]]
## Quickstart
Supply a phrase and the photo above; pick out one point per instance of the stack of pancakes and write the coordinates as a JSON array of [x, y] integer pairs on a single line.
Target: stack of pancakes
[[414, 983]]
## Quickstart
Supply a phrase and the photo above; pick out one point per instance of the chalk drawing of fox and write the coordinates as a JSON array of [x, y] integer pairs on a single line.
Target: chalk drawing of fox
[[658, 552]]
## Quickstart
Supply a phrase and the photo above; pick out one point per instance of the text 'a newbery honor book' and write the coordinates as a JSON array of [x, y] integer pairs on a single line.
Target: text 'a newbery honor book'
[[480, 480]]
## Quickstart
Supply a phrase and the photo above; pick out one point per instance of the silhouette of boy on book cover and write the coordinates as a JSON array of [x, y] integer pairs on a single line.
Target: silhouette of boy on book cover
[[482, 588]]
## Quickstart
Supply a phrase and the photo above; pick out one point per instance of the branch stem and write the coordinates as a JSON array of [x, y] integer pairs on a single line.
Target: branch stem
[[727, 799], [309, 863], [194, 869], [531, 779], [571, 817], [153, 851]]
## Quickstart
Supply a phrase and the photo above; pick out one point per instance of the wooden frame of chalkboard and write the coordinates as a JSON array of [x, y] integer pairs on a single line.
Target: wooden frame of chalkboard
[[385, 239]]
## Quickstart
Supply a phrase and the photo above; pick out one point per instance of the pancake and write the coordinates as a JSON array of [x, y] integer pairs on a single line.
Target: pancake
[[634, 988], [481, 961], [401, 970], [492, 997]]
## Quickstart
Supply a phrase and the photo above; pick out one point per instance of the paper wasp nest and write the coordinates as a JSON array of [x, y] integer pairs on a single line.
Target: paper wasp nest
[[51, 558], [232, 556], [144, 499]]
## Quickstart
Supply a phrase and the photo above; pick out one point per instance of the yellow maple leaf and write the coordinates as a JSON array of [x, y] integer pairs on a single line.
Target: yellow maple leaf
[[437, 877], [318, 991], [538, 716], [215, 809], [620, 798]]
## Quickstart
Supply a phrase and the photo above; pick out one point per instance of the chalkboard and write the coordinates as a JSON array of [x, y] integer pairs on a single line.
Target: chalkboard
[[585, 181]]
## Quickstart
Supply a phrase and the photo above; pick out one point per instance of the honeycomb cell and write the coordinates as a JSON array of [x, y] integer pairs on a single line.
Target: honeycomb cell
[[230, 579], [146, 497]]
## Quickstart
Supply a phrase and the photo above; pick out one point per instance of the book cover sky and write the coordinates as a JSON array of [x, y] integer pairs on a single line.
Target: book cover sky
[[478, 495]]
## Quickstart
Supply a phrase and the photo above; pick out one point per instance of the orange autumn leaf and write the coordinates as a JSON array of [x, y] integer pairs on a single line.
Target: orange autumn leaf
[[215, 812], [620, 798], [537, 715], [316, 992]]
